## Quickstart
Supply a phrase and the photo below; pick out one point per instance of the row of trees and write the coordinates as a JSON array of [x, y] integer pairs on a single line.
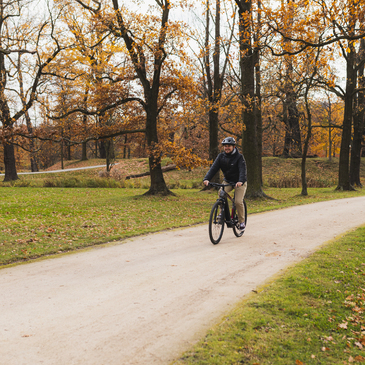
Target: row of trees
[[99, 72]]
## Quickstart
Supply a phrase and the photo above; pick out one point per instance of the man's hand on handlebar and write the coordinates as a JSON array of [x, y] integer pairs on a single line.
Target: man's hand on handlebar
[[239, 184], [206, 182]]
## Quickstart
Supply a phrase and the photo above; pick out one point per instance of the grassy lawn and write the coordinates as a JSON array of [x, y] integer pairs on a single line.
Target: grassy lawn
[[41, 221]]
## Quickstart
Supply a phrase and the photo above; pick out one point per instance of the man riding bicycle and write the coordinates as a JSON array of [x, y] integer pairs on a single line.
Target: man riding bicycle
[[233, 165]]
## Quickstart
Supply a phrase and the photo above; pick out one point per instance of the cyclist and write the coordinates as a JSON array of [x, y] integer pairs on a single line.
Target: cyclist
[[233, 165]]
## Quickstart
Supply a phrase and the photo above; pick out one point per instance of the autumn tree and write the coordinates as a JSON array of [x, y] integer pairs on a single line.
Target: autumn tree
[[329, 135], [31, 146], [213, 72], [329, 23], [251, 122], [358, 118], [90, 88], [154, 77], [20, 34], [311, 67], [293, 144]]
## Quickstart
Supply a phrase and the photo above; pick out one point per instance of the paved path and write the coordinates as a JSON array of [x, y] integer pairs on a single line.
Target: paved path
[[63, 170], [148, 299]]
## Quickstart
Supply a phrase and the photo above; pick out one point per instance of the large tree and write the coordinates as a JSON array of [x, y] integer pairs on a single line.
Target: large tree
[[149, 41], [20, 34], [251, 135], [359, 119], [335, 24], [214, 70]]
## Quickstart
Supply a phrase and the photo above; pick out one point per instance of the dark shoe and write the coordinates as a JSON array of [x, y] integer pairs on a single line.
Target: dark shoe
[[242, 226]]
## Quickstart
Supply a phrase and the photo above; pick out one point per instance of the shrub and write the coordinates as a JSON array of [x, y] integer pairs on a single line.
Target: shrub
[[70, 182], [21, 183], [116, 174], [49, 183], [197, 184], [104, 174]]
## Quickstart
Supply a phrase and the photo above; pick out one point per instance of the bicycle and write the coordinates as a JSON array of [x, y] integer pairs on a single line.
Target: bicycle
[[220, 215]]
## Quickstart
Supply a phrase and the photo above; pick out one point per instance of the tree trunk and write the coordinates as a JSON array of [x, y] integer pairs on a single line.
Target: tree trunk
[[213, 134], [258, 113], [9, 155], [214, 82], [110, 155], [296, 143], [250, 145], [9, 162], [292, 141], [216, 94], [84, 151], [213, 140], [329, 129], [84, 125], [158, 184], [62, 157], [355, 162], [287, 138], [343, 173], [102, 149], [126, 149], [306, 145], [33, 157], [68, 149]]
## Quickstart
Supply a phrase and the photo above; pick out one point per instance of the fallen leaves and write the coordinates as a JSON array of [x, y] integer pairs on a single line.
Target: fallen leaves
[[358, 358], [343, 325]]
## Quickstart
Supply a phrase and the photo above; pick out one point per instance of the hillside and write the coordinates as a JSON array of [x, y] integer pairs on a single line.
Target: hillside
[[277, 172]]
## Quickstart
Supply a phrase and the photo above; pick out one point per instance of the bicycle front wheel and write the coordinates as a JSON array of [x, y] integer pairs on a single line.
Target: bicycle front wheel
[[236, 227], [216, 223]]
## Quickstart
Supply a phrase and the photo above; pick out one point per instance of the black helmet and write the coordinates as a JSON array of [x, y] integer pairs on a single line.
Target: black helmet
[[229, 140]]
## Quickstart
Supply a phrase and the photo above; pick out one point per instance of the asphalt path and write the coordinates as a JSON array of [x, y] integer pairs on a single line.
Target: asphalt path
[[63, 170], [146, 300]]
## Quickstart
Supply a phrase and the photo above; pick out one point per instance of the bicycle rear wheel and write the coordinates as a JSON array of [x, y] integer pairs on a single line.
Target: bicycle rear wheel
[[236, 227], [216, 223]]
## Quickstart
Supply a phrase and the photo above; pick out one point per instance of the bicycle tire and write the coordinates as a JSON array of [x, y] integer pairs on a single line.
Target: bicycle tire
[[216, 225], [236, 230]]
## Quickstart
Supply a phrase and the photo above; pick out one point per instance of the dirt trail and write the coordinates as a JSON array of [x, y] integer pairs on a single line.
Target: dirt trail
[[148, 299]]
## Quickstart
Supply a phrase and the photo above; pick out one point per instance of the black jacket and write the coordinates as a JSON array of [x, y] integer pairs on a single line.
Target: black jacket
[[233, 166]]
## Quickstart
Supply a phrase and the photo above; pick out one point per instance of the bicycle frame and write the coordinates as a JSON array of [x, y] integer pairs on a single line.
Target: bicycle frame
[[220, 216], [223, 197]]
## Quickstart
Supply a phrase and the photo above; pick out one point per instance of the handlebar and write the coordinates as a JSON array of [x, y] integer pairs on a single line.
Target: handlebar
[[220, 185]]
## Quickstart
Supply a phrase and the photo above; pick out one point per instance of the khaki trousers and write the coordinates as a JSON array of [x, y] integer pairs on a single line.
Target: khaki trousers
[[240, 192]]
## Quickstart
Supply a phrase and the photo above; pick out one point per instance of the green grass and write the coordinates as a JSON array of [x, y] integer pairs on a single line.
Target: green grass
[[313, 314], [38, 221]]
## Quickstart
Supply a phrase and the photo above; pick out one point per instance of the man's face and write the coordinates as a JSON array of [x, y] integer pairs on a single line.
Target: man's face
[[228, 148]]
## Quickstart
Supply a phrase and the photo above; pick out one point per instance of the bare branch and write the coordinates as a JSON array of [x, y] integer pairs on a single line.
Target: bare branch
[[100, 111], [10, 51], [94, 10], [72, 142]]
